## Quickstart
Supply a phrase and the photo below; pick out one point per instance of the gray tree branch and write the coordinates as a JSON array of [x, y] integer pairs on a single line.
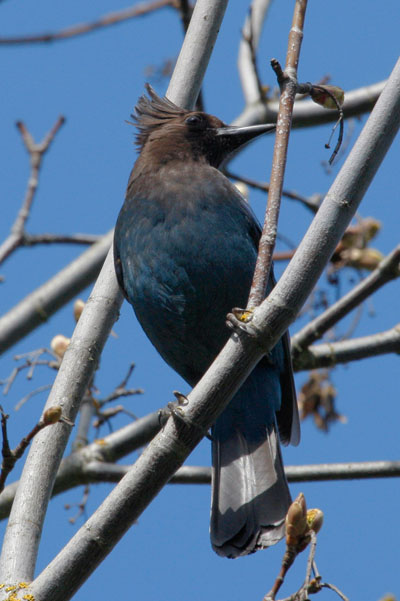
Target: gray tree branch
[[114, 18], [252, 27], [38, 306], [36, 151], [344, 351], [193, 474], [387, 270]]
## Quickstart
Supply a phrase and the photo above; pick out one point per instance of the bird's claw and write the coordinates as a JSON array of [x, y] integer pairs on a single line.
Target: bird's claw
[[181, 399], [175, 409], [238, 320]]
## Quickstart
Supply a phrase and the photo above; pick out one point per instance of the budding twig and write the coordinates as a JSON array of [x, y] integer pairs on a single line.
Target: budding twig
[[10, 457], [301, 530]]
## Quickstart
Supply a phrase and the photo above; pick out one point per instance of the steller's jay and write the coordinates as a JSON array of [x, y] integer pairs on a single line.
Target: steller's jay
[[185, 248]]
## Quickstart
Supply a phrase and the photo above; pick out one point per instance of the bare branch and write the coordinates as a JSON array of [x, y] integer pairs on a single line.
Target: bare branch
[[387, 270], [10, 457], [83, 28], [335, 589], [246, 59], [191, 66], [311, 202], [288, 84], [191, 474], [33, 239], [36, 153], [343, 471], [328, 355], [38, 306], [87, 467]]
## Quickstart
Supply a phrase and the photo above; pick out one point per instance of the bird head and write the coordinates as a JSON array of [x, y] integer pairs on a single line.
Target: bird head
[[168, 131]]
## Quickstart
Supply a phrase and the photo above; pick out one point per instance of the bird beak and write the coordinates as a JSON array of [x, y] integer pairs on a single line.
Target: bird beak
[[233, 137]]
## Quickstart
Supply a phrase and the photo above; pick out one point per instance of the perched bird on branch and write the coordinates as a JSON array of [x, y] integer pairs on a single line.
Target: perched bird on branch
[[185, 249]]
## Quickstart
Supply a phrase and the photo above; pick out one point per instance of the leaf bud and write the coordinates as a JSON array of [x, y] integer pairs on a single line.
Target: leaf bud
[[52, 415], [315, 518], [320, 96], [59, 345], [78, 308]]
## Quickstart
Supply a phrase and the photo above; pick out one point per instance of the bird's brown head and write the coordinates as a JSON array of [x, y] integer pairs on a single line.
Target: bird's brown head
[[167, 132]]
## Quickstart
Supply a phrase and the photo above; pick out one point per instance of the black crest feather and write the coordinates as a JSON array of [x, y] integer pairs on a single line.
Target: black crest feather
[[152, 112]]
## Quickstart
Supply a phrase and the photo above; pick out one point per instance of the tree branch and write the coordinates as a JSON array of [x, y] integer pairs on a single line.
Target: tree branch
[[73, 469], [387, 270], [84, 28], [288, 85], [329, 355], [36, 153], [88, 466], [247, 50], [33, 239], [311, 202], [192, 474], [37, 307]]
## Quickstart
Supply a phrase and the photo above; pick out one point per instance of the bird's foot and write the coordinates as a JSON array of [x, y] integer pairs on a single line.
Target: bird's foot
[[175, 409], [239, 319]]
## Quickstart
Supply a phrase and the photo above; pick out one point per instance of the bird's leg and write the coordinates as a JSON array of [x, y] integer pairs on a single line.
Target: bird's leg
[[240, 321]]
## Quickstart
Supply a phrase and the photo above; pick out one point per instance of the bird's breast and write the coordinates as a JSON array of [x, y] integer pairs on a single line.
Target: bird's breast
[[187, 257]]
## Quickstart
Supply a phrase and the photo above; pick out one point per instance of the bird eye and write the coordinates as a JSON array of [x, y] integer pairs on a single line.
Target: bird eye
[[195, 121]]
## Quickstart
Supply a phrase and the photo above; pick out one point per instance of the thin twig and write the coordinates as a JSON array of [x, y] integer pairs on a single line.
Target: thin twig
[[81, 505], [30, 394], [36, 153], [288, 560], [10, 457], [32, 240], [335, 589], [83, 28], [310, 559], [311, 202], [288, 84]]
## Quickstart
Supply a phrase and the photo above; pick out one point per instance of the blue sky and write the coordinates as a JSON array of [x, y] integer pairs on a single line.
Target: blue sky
[[94, 81]]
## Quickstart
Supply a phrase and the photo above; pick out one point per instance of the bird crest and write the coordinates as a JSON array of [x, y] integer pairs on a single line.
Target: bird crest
[[151, 113]]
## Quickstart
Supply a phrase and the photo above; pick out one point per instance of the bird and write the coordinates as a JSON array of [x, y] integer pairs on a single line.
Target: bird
[[185, 248]]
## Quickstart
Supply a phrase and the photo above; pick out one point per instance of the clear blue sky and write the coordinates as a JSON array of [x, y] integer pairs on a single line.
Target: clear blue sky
[[95, 81]]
